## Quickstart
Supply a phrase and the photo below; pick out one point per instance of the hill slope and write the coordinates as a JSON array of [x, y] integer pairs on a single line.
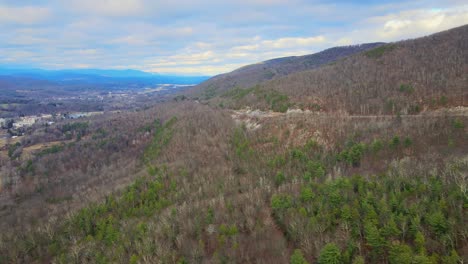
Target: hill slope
[[405, 77], [251, 75]]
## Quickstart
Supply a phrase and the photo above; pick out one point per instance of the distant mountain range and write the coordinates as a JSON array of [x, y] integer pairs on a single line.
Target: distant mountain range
[[98, 76]]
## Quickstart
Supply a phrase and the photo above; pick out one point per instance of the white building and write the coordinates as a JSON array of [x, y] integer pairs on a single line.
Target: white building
[[25, 121]]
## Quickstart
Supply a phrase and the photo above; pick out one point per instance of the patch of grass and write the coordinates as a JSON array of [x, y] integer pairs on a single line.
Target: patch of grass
[[180, 98], [406, 88], [269, 75], [379, 51], [458, 124], [50, 150], [237, 93], [209, 92], [241, 144], [277, 101], [57, 200], [77, 126], [12, 150], [443, 100], [162, 134]]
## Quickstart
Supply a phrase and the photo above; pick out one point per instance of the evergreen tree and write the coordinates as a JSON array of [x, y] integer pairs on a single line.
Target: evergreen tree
[[453, 258], [330, 254], [358, 260], [400, 254], [419, 242], [298, 258], [374, 239]]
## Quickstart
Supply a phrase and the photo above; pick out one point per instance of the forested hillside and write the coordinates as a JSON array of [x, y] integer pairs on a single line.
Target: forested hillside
[[309, 187], [251, 75], [405, 77]]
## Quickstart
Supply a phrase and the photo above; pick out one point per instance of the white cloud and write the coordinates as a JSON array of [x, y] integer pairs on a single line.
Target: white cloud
[[109, 7], [345, 41], [414, 23], [85, 52], [144, 34], [229, 58], [81, 66], [267, 2], [23, 15], [18, 55], [132, 40], [396, 24], [204, 36], [203, 69], [292, 42], [246, 48], [185, 59], [27, 40]]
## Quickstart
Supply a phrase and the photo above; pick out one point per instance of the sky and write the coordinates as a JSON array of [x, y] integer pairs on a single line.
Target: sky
[[204, 37]]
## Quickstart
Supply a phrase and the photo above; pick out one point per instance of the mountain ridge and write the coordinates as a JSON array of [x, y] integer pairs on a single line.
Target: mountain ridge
[[404, 77], [252, 74], [91, 75]]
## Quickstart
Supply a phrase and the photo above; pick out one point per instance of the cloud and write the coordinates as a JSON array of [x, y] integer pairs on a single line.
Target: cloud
[[13, 56], [132, 40], [27, 40], [204, 36], [204, 69], [81, 66], [292, 42], [267, 2], [186, 59], [214, 61], [26, 15], [85, 52], [144, 34], [415, 23], [109, 7]]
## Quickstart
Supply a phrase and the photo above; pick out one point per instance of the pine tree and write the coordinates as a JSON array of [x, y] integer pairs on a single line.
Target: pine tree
[[453, 258], [358, 260], [374, 239], [330, 254], [298, 258], [400, 254], [390, 229], [419, 242]]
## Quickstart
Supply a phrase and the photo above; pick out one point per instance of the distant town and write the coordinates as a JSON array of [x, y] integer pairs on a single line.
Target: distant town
[[13, 127]]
